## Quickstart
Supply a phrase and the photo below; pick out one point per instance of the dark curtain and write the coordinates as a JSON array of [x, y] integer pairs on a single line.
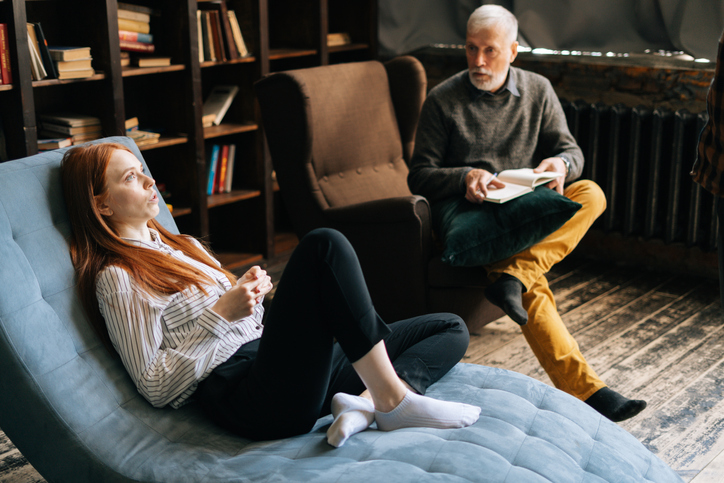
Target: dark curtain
[[691, 26]]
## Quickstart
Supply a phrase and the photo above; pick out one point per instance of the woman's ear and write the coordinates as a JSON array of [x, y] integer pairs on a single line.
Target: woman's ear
[[103, 207]]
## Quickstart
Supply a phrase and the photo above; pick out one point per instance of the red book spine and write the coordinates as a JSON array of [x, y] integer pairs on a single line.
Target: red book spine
[[221, 182], [5, 73], [137, 46]]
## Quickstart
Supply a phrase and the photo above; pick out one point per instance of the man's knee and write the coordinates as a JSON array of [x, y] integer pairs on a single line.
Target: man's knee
[[589, 194]]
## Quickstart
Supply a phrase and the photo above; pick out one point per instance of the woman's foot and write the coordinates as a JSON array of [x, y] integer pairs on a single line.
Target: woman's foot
[[416, 411], [507, 293], [615, 406], [352, 414]]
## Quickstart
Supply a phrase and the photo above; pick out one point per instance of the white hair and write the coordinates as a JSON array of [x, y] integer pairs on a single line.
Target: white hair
[[490, 17]]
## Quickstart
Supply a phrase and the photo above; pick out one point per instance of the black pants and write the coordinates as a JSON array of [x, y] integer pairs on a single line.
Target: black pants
[[321, 319]]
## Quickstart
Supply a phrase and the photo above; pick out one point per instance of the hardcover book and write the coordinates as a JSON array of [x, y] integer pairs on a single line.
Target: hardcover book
[[69, 53], [69, 119], [44, 52], [5, 72], [134, 25], [219, 101]]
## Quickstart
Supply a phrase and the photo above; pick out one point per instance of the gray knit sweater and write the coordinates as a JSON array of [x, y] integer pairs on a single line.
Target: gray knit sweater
[[462, 128]]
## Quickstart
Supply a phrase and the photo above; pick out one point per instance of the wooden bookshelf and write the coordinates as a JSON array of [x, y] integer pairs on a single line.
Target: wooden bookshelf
[[278, 34]]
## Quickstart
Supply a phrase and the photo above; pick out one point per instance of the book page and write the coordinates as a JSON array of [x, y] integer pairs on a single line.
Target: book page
[[526, 177], [510, 191]]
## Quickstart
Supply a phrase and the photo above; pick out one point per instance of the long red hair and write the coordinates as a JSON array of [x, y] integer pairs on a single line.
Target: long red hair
[[95, 244]]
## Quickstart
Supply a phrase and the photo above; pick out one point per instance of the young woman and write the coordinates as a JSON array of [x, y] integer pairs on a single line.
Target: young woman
[[183, 325]]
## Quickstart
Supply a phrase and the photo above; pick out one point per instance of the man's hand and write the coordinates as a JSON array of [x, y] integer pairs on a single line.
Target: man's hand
[[553, 164], [478, 181], [249, 291]]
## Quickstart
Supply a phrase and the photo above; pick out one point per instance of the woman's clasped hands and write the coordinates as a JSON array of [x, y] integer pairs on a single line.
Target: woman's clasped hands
[[249, 291]]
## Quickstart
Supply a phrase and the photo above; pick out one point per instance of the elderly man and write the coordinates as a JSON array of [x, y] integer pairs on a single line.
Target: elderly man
[[494, 117]]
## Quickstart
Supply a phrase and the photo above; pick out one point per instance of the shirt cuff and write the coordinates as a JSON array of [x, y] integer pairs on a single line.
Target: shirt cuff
[[214, 323]]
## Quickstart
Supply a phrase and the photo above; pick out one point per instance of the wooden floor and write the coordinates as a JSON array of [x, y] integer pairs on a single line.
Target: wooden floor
[[650, 335]]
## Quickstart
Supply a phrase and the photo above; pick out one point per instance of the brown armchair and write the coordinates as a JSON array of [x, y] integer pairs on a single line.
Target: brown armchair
[[340, 138]]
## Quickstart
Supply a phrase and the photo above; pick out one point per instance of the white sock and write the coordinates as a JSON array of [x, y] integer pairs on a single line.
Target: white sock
[[420, 411], [352, 414]]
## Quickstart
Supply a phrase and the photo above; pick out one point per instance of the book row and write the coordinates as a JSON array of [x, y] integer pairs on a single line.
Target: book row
[[219, 33], [220, 168]]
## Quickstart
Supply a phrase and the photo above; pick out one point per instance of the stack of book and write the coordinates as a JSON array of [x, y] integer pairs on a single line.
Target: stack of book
[[142, 138], [78, 128], [134, 28], [53, 143], [134, 33], [72, 62], [220, 37], [5, 72], [220, 168]]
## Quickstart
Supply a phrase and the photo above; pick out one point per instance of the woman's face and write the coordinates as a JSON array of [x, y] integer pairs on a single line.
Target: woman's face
[[131, 201]]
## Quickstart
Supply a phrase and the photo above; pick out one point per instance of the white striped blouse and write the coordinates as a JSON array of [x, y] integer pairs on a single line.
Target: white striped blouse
[[170, 343]]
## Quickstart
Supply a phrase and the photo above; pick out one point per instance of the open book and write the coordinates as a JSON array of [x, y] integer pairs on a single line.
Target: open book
[[518, 182]]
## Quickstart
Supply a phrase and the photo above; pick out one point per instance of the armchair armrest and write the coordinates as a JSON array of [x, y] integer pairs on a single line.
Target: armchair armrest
[[387, 210], [393, 240]]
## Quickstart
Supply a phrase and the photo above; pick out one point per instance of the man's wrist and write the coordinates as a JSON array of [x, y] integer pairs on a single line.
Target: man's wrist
[[566, 164]]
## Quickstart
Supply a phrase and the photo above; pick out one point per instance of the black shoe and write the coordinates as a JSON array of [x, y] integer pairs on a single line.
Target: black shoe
[[615, 406], [507, 293]]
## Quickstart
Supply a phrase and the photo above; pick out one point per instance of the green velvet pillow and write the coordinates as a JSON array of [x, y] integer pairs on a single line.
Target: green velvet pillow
[[476, 235]]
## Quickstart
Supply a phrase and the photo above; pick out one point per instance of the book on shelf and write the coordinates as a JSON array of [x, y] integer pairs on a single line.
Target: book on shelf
[[134, 25], [44, 52], [69, 53], [338, 38], [236, 32], [213, 162], [132, 7], [131, 124], [132, 46], [152, 61], [70, 130], [5, 71], [220, 183], [75, 138], [69, 119], [219, 100], [207, 120], [230, 168], [519, 182], [200, 34], [125, 59], [76, 74], [134, 15], [82, 138], [143, 138], [209, 44], [36, 63], [135, 36], [53, 143], [70, 65]]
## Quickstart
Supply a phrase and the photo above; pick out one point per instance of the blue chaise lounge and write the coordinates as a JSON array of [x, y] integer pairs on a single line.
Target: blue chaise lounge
[[70, 408]]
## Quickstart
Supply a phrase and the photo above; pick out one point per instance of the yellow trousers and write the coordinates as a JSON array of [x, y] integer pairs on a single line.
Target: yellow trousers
[[547, 335]]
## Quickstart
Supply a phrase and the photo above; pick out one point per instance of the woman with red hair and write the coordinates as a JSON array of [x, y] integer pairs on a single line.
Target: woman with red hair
[[183, 325]]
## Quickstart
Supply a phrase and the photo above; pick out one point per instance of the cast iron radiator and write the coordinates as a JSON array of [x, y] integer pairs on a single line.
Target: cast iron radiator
[[641, 158]]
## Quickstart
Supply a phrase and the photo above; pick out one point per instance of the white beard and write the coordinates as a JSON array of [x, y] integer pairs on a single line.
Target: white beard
[[494, 79]]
